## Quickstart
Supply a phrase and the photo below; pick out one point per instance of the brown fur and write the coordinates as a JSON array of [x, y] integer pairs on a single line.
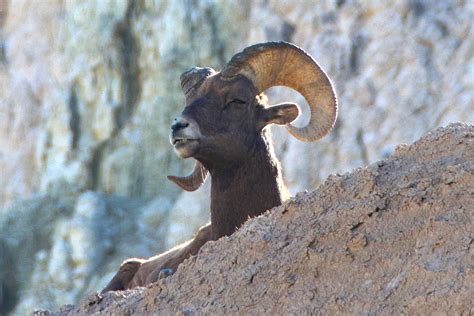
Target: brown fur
[[139, 272], [236, 148]]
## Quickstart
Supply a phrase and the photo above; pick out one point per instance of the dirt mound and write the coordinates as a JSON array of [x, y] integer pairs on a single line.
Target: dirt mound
[[394, 237]]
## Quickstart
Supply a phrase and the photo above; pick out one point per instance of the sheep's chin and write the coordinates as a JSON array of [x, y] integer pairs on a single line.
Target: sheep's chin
[[186, 149]]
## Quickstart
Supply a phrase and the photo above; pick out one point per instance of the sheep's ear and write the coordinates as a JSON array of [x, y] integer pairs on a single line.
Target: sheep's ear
[[280, 114], [194, 181]]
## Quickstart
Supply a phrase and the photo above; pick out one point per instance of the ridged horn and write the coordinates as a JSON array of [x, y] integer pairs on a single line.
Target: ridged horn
[[193, 77], [194, 181], [284, 64]]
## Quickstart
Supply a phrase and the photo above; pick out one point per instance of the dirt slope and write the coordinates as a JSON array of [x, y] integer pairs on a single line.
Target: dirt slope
[[394, 237]]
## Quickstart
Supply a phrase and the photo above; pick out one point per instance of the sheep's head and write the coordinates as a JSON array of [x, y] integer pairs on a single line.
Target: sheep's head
[[225, 114]]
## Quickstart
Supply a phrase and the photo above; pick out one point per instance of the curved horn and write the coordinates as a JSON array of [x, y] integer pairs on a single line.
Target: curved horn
[[193, 77], [284, 64], [194, 181]]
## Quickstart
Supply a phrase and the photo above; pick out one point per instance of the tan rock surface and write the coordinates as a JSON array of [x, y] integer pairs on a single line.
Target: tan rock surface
[[395, 237]]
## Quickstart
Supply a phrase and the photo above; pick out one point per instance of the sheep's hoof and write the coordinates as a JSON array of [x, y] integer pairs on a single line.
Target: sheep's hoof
[[165, 273]]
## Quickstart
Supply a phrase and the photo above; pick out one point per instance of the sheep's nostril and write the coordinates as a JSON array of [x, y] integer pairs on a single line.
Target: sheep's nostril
[[179, 124]]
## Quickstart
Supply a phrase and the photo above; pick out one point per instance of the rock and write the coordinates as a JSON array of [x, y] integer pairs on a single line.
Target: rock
[[25, 231], [73, 246], [414, 256], [88, 91], [101, 98]]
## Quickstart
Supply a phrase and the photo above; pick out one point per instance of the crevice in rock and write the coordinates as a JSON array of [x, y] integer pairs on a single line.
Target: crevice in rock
[[8, 286], [216, 41], [357, 46], [189, 7], [336, 130], [127, 46], [3, 19], [417, 7], [3, 51], [443, 28], [188, 11], [362, 146], [287, 31], [208, 14], [356, 226], [74, 118], [340, 3], [95, 163], [137, 187], [431, 96]]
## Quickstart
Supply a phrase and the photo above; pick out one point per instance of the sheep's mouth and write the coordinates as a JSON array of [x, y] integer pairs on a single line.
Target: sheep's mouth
[[185, 147], [182, 141]]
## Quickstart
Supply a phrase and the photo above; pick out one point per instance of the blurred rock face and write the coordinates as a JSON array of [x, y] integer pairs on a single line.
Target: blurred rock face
[[88, 90]]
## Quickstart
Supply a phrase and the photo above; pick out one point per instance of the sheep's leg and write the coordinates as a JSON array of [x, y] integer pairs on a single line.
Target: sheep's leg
[[140, 272], [125, 274], [152, 270]]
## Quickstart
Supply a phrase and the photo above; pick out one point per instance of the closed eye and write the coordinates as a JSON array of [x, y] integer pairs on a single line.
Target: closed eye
[[238, 101], [234, 102]]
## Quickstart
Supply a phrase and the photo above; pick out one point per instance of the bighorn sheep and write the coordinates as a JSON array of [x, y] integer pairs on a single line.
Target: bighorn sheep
[[223, 128]]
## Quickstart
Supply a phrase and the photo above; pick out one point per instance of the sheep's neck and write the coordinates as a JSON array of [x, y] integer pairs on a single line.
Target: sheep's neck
[[247, 190]]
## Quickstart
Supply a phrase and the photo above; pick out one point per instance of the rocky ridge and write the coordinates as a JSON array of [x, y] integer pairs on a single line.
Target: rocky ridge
[[394, 237]]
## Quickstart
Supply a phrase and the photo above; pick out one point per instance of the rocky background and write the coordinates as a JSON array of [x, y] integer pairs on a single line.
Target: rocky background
[[88, 90]]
